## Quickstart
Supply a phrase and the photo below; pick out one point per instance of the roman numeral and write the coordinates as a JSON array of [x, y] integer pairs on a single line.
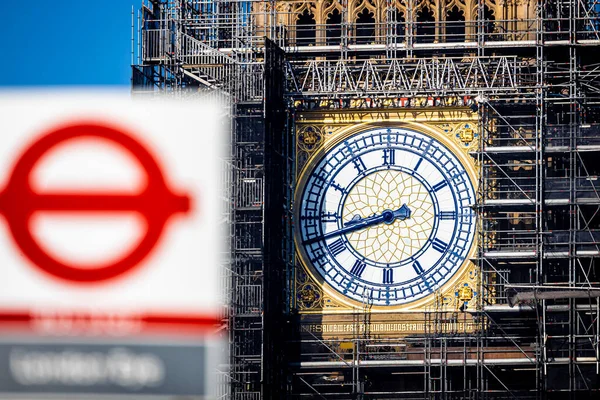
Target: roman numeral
[[418, 269], [388, 275], [439, 245], [440, 185], [337, 247], [418, 164], [328, 217], [447, 215], [359, 164], [389, 156], [317, 257], [358, 268], [338, 187], [319, 180]]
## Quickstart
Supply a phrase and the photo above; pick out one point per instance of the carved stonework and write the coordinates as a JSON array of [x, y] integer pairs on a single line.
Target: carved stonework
[[465, 135], [310, 138], [289, 12], [461, 296], [309, 297]]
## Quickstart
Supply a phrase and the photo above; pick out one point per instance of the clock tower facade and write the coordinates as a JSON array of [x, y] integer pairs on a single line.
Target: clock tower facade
[[384, 220]]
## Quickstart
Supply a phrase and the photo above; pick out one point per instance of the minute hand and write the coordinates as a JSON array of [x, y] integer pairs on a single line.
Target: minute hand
[[387, 216]]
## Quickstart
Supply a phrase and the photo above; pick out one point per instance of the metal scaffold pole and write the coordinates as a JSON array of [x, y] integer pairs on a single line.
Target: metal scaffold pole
[[540, 122], [527, 75]]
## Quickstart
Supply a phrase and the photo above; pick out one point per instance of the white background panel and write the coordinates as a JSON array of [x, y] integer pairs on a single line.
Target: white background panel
[[181, 274]]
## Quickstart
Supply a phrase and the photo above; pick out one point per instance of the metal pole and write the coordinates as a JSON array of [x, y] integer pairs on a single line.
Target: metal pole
[[540, 120]]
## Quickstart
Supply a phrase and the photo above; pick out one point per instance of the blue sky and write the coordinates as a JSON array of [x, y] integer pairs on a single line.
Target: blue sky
[[65, 42]]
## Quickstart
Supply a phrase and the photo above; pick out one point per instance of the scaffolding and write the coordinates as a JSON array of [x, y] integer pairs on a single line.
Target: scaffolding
[[531, 74]]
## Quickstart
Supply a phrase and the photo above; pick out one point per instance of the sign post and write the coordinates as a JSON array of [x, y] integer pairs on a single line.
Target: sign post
[[110, 212]]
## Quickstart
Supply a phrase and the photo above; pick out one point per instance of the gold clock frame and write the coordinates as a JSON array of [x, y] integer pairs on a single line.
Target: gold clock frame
[[318, 132]]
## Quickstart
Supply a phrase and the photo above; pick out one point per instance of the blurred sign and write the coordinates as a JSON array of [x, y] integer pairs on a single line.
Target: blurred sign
[[103, 369], [155, 203], [110, 211]]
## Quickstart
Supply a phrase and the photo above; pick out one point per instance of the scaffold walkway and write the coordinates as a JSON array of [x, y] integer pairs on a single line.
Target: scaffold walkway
[[531, 73]]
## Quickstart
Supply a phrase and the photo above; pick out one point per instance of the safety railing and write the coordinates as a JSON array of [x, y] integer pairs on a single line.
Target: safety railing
[[585, 189], [424, 32], [411, 77], [250, 87], [583, 241], [247, 300], [524, 139], [220, 31], [414, 351], [247, 396], [586, 27], [210, 67], [555, 136], [194, 52], [249, 190], [157, 45], [556, 242], [560, 136], [495, 280], [512, 241], [248, 237], [512, 182]]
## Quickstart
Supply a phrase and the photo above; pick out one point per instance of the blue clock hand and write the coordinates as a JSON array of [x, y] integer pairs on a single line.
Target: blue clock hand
[[387, 216], [357, 223]]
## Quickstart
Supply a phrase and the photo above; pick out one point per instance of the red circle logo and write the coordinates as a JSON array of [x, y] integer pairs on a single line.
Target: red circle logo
[[156, 203]]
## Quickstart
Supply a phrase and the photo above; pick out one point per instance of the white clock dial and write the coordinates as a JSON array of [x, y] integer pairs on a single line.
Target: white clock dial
[[385, 216]]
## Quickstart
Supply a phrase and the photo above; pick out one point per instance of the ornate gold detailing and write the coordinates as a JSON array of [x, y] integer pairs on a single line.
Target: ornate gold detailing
[[445, 302], [457, 129], [330, 303], [287, 13], [465, 293], [309, 138], [308, 296], [466, 135]]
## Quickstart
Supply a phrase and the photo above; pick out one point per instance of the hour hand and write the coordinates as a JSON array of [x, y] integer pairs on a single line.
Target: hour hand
[[357, 223], [402, 213], [387, 216]]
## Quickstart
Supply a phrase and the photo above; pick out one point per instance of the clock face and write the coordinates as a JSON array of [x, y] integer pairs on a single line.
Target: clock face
[[385, 216]]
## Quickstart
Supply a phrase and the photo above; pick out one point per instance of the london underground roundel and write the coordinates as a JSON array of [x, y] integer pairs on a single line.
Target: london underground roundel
[[384, 216], [19, 202]]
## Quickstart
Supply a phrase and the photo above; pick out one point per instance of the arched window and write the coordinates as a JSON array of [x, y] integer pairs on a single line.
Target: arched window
[[365, 27], [333, 31], [425, 26], [488, 23], [305, 29], [455, 25], [396, 18]]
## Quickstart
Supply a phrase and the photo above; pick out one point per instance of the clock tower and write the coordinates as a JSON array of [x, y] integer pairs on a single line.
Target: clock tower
[[413, 197], [384, 219]]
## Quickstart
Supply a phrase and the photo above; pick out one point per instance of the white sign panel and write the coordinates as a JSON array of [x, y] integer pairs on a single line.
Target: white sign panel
[[110, 211]]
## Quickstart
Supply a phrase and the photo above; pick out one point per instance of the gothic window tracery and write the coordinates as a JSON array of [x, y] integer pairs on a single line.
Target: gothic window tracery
[[365, 27], [398, 17], [306, 29], [426, 25], [489, 25], [333, 30], [368, 21], [455, 25]]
